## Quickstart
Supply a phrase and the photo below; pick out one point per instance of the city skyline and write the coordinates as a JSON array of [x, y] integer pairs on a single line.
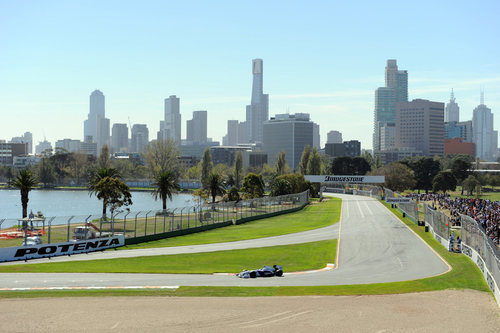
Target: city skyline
[[335, 88]]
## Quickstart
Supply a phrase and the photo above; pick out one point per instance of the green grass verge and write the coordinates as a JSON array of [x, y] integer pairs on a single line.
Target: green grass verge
[[298, 257], [465, 275], [311, 217]]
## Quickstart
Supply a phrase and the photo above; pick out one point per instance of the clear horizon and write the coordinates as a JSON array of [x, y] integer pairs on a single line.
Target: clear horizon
[[323, 58]]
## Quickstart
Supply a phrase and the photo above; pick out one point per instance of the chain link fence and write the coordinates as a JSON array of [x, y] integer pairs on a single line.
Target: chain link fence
[[474, 237], [439, 221], [146, 223], [410, 209]]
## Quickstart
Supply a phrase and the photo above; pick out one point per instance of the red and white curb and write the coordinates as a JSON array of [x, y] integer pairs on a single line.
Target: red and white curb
[[327, 268], [90, 288]]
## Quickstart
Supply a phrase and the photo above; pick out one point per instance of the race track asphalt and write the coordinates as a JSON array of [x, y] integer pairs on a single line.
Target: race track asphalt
[[375, 246]]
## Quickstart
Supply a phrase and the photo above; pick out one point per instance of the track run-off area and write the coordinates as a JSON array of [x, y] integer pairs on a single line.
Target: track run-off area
[[374, 246]]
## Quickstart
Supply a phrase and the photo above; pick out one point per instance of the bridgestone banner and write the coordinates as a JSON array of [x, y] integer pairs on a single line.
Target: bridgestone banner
[[346, 179], [60, 249], [397, 200]]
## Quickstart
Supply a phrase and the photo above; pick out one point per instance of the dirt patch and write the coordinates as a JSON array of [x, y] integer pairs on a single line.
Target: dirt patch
[[444, 311]]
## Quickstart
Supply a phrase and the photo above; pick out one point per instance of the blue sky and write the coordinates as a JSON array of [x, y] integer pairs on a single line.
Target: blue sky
[[321, 57]]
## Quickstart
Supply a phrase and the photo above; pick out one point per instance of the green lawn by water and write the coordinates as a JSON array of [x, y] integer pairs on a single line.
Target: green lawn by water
[[313, 216]]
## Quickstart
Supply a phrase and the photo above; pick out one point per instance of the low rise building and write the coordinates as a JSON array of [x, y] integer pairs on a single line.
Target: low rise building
[[10, 150], [459, 146]]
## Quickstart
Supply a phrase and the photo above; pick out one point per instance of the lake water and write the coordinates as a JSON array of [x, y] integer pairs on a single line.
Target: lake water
[[69, 203]]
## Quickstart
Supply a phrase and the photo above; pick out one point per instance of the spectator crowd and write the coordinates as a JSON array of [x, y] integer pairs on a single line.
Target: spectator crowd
[[485, 212]]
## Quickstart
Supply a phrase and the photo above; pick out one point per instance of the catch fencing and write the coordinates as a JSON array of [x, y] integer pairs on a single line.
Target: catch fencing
[[479, 247], [410, 209], [439, 221], [148, 225]]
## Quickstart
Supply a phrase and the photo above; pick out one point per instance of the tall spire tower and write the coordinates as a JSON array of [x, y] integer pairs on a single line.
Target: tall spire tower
[[258, 110], [452, 111]]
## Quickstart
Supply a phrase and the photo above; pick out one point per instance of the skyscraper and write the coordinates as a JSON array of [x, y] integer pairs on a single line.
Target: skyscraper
[[258, 110], [232, 132], [290, 133], [139, 138], [316, 136], [170, 128], [420, 126], [196, 128], [119, 138], [243, 132], [395, 90], [484, 136], [97, 125], [452, 111]]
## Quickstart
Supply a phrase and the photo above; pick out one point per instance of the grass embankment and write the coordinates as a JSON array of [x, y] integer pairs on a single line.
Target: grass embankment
[[298, 257], [313, 216], [464, 275]]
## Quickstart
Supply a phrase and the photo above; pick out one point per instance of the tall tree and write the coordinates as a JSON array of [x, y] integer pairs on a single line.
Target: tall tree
[[444, 181], [253, 186], [346, 165], [106, 184], [25, 182], [165, 184], [60, 160], [162, 155], [281, 187], [460, 166], [46, 173], [398, 177], [425, 169], [281, 165], [79, 166], [304, 159], [314, 163], [104, 161], [215, 185], [238, 169], [206, 166], [470, 184]]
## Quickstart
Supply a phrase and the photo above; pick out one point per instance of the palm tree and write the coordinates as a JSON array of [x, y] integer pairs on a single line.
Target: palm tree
[[107, 185], [165, 183], [215, 185], [25, 182]]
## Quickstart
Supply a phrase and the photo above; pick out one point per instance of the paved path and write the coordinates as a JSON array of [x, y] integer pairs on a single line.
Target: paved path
[[375, 247]]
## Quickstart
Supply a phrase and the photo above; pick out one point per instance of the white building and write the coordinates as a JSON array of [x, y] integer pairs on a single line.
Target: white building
[[196, 128], [97, 125], [484, 136], [170, 128], [119, 138], [334, 137], [232, 133], [139, 138], [43, 146], [68, 144]]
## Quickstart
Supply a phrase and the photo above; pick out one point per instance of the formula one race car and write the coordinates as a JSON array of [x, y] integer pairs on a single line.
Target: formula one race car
[[266, 271]]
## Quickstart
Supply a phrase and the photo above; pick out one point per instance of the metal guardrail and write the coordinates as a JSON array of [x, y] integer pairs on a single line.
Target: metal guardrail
[[146, 223]]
